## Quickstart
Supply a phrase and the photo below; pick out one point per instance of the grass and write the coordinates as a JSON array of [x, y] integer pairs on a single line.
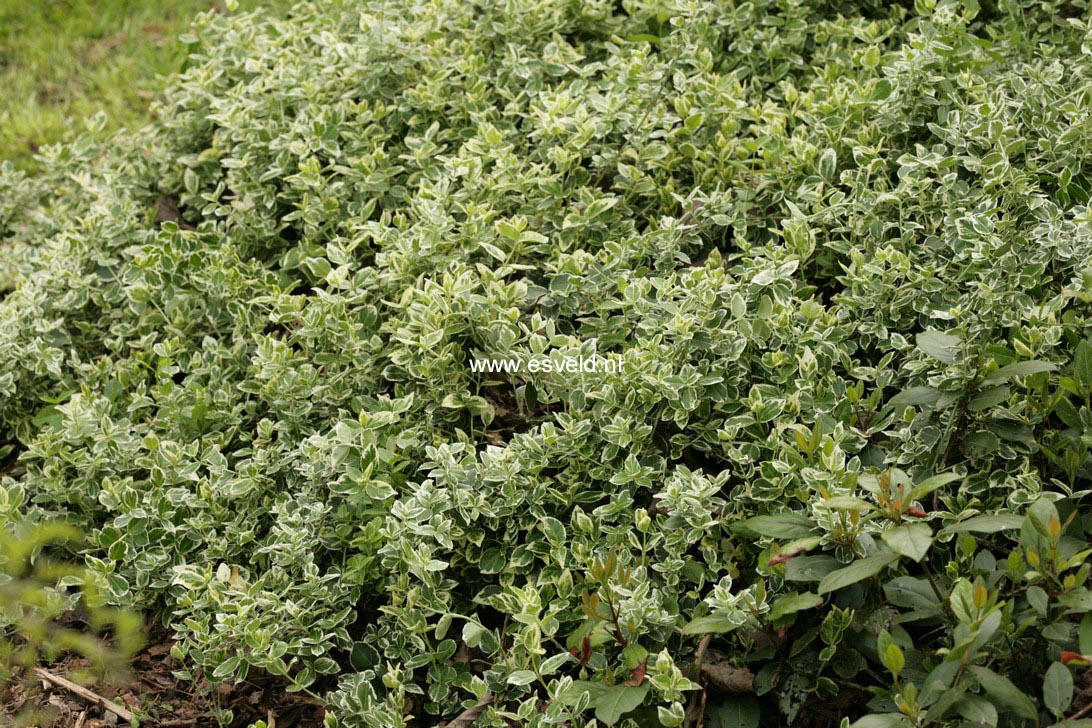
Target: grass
[[62, 61]]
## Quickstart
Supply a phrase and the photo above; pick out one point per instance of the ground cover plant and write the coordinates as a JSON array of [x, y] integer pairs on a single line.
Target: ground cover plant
[[841, 250]]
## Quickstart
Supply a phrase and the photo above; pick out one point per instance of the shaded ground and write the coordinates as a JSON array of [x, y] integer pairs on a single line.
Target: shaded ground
[[156, 695]]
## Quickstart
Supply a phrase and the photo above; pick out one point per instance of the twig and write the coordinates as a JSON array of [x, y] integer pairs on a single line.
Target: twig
[[92, 697], [468, 716], [1082, 712], [699, 654], [730, 678], [695, 711]]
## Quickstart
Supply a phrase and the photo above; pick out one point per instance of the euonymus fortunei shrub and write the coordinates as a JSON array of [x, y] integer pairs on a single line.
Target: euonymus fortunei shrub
[[842, 251]]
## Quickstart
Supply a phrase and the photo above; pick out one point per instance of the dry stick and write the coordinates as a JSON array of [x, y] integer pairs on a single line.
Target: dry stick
[[468, 716], [699, 654], [92, 697], [729, 678], [695, 711], [1081, 713]]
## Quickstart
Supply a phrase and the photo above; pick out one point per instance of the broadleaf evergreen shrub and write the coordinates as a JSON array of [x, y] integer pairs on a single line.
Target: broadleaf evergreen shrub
[[842, 250]]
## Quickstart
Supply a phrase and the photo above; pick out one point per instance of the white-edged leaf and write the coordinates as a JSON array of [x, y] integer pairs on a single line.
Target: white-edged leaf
[[551, 664], [942, 347], [828, 164], [522, 677]]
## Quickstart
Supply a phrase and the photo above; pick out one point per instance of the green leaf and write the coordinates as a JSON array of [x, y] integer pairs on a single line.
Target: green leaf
[[915, 396], [977, 710], [911, 592], [1077, 601], [1058, 689], [890, 654], [882, 720], [594, 690], [989, 398], [784, 525], [1038, 599], [508, 230], [1012, 431], [793, 603], [910, 539], [985, 524], [1022, 369], [1082, 363], [930, 484], [939, 690], [881, 90], [893, 659], [709, 625], [1084, 641], [1068, 414], [736, 711], [617, 700], [810, 568], [47, 416], [633, 655], [942, 347], [1002, 690], [363, 656], [855, 572]]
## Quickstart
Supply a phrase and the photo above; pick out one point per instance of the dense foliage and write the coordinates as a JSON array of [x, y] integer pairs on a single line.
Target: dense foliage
[[843, 251]]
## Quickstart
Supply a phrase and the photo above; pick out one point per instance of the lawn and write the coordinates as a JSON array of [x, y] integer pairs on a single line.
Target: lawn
[[62, 61]]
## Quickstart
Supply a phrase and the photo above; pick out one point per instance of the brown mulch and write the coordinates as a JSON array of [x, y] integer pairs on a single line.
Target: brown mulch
[[153, 693]]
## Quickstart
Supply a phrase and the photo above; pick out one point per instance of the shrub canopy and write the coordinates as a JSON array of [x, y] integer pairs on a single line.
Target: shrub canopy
[[841, 249]]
